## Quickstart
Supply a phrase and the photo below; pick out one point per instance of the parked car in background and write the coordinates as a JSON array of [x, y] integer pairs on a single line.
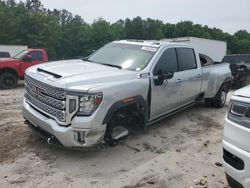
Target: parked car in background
[[4, 54], [240, 67], [12, 69], [238, 59], [124, 86], [236, 145]]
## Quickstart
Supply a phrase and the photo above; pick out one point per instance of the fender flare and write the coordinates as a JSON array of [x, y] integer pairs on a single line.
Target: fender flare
[[226, 83], [9, 69], [120, 104]]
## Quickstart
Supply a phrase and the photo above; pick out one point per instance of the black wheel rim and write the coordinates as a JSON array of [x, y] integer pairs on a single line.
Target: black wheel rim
[[8, 82]]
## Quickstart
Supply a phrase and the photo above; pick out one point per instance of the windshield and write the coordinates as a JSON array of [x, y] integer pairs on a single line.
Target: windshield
[[125, 56], [21, 54]]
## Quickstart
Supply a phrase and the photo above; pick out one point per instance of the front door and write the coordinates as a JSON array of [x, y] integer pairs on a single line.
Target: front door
[[165, 96], [37, 58]]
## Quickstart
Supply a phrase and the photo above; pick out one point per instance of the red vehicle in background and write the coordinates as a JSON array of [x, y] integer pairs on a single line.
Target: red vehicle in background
[[12, 69]]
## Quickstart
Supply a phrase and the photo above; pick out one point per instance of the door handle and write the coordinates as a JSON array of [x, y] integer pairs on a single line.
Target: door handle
[[178, 80], [198, 75]]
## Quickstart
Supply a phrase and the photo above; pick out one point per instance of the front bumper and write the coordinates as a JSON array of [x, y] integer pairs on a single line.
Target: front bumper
[[241, 176], [236, 137], [65, 135]]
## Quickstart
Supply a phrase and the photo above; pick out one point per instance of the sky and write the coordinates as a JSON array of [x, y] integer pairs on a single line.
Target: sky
[[228, 15]]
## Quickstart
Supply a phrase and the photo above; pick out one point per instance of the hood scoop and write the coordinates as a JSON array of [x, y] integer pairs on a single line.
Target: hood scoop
[[49, 73]]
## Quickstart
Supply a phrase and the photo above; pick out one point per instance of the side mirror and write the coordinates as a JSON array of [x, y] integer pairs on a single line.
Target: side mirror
[[165, 76], [169, 75], [160, 77], [27, 58]]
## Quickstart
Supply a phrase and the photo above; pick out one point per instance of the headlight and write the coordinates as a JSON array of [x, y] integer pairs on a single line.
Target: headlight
[[89, 103], [238, 108]]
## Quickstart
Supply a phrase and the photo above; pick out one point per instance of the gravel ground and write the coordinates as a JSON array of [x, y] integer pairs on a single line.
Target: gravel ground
[[179, 152]]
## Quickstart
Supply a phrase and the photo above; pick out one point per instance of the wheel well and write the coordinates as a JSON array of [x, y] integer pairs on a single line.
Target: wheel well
[[136, 109], [131, 115], [226, 86], [8, 70]]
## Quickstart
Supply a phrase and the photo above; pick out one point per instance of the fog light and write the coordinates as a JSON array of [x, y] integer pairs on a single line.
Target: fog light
[[79, 136]]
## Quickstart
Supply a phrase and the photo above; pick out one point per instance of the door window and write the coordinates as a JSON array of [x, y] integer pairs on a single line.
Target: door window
[[167, 62], [37, 55], [205, 60], [186, 58]]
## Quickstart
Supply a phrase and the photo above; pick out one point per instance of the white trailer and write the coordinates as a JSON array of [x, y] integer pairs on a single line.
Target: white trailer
[[12, 49], [213, 48]]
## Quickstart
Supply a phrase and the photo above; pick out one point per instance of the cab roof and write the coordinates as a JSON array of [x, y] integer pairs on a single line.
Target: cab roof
[[151, 43]]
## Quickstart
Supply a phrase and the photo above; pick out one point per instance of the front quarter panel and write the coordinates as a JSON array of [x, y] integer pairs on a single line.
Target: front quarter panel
[[117, 91]]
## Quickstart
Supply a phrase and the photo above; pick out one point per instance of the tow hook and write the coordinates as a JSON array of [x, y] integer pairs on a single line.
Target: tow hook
[[50, 140]]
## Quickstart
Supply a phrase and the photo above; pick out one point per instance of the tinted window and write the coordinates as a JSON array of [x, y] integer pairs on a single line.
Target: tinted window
[[167, 62], [4, 54], [186, 58], [36, 56]]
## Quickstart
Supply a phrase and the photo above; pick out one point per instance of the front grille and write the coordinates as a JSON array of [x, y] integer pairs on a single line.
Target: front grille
[[47, 99], [56, 93], [58, 114]]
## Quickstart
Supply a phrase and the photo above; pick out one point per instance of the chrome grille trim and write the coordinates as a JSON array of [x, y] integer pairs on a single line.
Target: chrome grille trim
[[54, 92], [49, 100], [45, 99], [48, 110]]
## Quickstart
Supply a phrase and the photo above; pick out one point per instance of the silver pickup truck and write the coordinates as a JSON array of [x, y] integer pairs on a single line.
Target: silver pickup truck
[[124, 86]]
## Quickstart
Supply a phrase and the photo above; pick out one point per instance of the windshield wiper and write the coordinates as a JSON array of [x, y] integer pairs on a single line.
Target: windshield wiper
[[87, 59], [116, 66]]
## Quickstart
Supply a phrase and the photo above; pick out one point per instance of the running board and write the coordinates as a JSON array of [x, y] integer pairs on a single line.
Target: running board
[[169, 114]]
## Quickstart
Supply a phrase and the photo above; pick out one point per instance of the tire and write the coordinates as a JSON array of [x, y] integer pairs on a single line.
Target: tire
[[117, 129], [8, 80], [243, 83], [220, 99], [208, 102]]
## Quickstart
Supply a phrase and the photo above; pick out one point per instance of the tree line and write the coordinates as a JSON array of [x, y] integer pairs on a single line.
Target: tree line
[[65, 35]]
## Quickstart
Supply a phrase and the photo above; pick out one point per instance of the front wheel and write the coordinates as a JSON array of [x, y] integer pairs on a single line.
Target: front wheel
[[208, 102], [8, 80], [117, 129]]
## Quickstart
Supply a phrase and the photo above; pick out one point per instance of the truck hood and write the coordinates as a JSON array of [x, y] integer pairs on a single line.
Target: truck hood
[[244, 92], [79, 75]]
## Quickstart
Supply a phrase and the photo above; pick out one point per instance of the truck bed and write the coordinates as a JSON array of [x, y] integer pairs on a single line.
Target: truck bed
[[213, 76]]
